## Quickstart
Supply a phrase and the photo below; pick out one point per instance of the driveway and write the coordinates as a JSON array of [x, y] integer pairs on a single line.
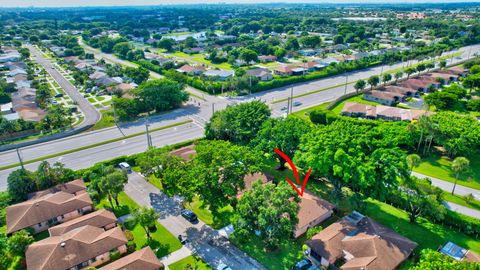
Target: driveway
[[203, 240]]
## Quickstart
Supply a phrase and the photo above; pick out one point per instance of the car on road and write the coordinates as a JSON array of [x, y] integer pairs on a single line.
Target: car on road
[[182, 238], [58, 95], [125, 166], [189, 215], [303, 265], [284, 108], [297, 103], [223, 266]]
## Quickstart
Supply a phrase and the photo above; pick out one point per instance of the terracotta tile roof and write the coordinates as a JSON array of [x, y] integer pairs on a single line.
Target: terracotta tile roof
[[99, 219], [371, 245], [284, 69], [71, 187], [353, 107], [400, 90], [143, 259], [186, 152], [70, 249], [311, 208], [445, 76], [382, 94], [188, 68], [415, 84], [31, 212]]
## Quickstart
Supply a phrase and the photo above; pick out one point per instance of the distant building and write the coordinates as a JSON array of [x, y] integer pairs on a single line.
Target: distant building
[[262, 74], [382, 97], [219, 74], [191, 70]]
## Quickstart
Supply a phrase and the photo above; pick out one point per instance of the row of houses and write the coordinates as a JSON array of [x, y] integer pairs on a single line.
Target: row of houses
[[218, 74], [23, 104], [79, 236], [353, 109], [393, 94]]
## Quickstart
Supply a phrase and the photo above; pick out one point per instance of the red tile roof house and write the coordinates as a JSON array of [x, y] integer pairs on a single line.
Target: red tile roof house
[[454, 70], [191, 70], [353, 109], [262, 74], [75, 187], [76, 249], [382, 97], [100, 219], [267, 58], [405, 92], [283, 71], [431, 80], [361, 243], [312, 212], [143, 259], [42, 212], [448, 78]]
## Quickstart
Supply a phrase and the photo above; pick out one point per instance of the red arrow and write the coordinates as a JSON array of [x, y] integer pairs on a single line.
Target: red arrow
[[295, 173]]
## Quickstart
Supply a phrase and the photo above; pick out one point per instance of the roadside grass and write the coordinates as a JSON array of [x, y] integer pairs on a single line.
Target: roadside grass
[[92, 145], [284, 257], [304, 114], [105, 121], [423, 232], [438, 166], [162, 242], [222, 219], [312, 92], [474, 204], [157, 182], [190, 262], [358, 99]]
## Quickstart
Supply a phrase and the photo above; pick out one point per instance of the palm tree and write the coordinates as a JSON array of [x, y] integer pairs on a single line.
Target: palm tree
[[459, 165], [413, 160], [146, 218]]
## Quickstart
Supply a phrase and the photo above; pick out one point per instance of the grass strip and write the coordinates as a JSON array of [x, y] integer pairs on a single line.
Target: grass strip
[[313, 92], [93, 145]]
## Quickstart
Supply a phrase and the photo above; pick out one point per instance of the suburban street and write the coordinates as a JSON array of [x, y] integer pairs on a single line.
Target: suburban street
[[92, 115], [202, 239]]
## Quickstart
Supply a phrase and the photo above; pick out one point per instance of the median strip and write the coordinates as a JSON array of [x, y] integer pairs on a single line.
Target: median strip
[[94, 145], [313, 92]]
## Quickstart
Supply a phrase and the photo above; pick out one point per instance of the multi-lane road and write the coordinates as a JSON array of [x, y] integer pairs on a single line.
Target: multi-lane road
[[199, 110]]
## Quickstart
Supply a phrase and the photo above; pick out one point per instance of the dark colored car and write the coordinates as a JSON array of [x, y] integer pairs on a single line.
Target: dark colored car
[[58, 95], [302, 265], [189, 215], [182, 238], [297, 103]]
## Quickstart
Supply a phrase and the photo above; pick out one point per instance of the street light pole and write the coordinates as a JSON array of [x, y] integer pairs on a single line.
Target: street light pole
[[213, 108], [291, 100], [346, 83], [288, 105], [20, 158], [149, 139]]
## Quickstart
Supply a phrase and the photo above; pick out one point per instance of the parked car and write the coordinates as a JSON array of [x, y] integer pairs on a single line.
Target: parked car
[[182, 238], [189, 215], [297, 103], [125, 166], [284, 108], [302, 265], [223, 266], [58, 95]]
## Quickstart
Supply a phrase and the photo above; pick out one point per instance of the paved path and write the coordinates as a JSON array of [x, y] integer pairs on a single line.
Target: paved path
[[459, 190], [202, 239], [176, 256], [462, 209]]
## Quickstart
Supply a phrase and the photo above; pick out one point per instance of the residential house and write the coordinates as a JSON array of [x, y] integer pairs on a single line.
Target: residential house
[[448, 78], [17, 71], [191, 70], [195, 50], [403, 91], [308, 52], [97, 75], [101, 219], [459, 71], [144, 259], [353, 109], [458, 253], [283, 71], [80, 248], [219, 74], [10, 57], [24, 103], [267, 58], [48, 210], [312, 212], [361, 243], [416, 84], [75, 187], [262, 74], [382, 97]]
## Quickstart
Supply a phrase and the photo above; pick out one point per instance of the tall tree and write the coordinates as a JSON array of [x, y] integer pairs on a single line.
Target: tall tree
[[459, 165], [18, 243], [20, 183], [413, 160], [281, 133], [386, 78], [268, 210], [398, 75], [359, 85], [160, 95], [373, 81], [146, 218]]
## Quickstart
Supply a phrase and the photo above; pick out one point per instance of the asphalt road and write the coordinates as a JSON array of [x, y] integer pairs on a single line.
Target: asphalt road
[[202, 239], [91, 114], [88, 157]]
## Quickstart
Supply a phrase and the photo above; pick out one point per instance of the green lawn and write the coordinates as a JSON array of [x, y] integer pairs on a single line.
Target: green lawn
[[200, 58], [163, 242], [358, 99], [304, 113], [91, 100], [447, 196], [224, 217], [100, 98], [189, 262], [440, 167], [107, 120], [426, 234], [283, 258]]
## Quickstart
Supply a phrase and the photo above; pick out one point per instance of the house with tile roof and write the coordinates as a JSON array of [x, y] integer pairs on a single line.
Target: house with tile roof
[[359, 242], [74, 187], [100, 219], [144, 259], [313, 211], [382, 97], [77, 249], [48, 210]]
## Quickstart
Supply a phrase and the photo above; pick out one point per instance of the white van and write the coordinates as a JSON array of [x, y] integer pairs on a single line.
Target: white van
[[124, 166]]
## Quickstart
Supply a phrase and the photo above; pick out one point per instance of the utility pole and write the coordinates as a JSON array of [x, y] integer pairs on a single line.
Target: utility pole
[[213, 108], [288, 105], [250, 78], [346, 83], [291, 100], [149, 139], [20, 159]]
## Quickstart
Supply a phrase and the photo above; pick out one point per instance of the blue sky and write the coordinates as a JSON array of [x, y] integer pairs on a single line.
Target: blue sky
[[76, 3]]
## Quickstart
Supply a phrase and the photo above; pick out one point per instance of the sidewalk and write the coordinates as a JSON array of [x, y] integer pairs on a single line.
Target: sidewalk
[[175, 256]]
